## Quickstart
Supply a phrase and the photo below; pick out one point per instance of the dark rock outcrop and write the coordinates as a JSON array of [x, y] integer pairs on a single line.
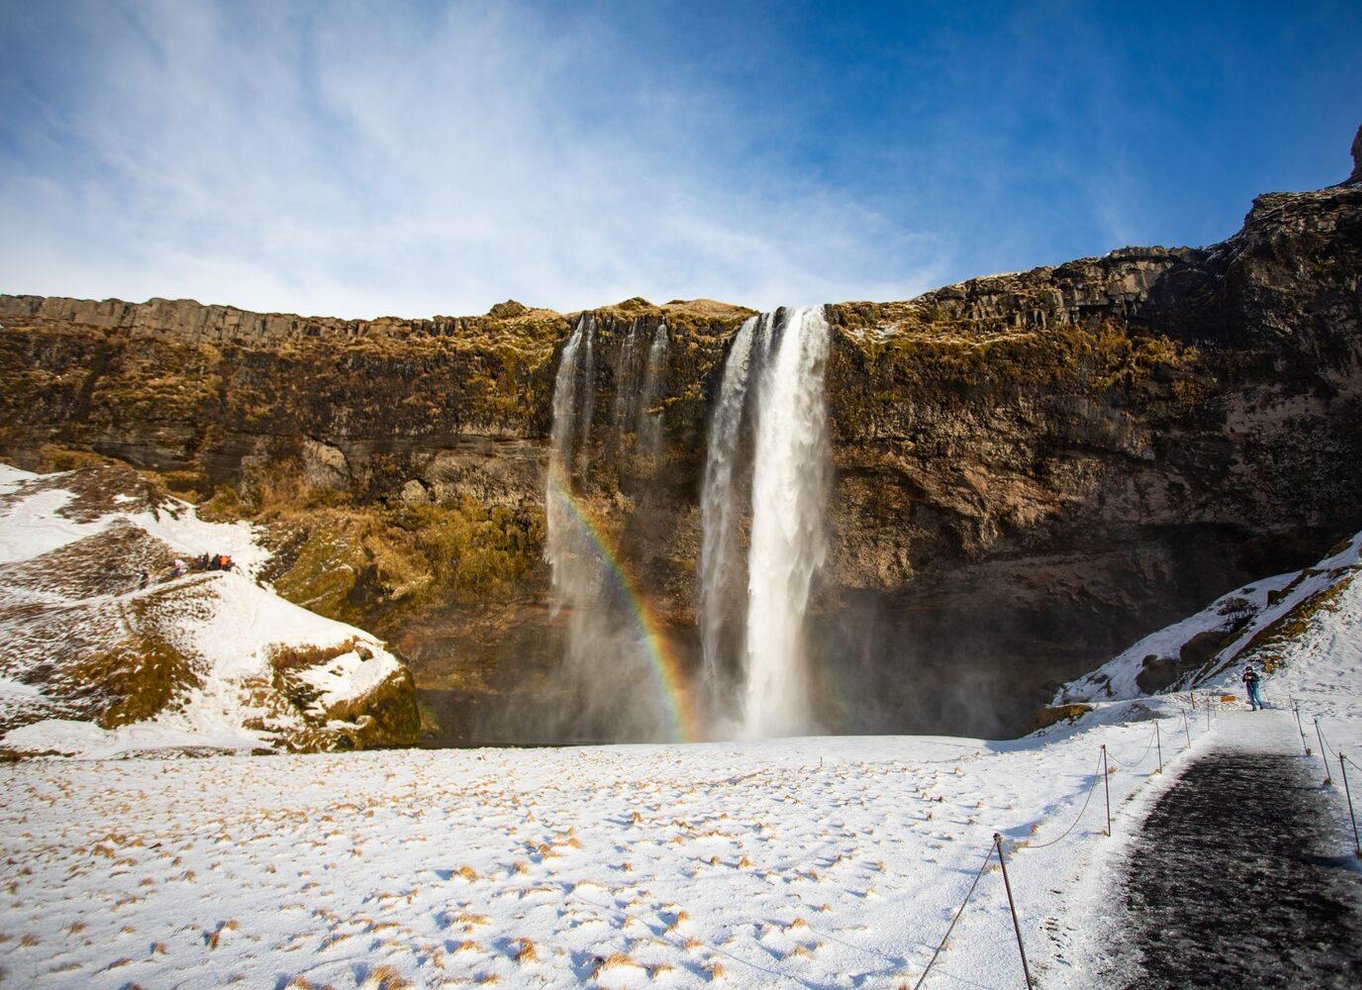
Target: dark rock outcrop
[[1356, 175], [1031, 470]]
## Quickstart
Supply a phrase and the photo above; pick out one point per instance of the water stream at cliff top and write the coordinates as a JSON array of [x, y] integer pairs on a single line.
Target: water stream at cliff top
[[649, 425]]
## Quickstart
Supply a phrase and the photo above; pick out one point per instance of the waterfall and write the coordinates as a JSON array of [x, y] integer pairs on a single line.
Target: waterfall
[[589, 388], [604, 686], [764, 489], [772, 383], [789, 485], [625, 372], [569, 556], [718, 504], [649, 426]]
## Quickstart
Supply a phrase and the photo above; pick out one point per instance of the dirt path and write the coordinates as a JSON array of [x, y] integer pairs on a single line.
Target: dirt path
[[1238, 879]]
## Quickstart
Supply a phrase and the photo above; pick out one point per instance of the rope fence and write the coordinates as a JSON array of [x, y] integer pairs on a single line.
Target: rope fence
[[959, 911], [1100, 773], [1096, 776], [1135, 763], [1327, 754], [1343, 762]]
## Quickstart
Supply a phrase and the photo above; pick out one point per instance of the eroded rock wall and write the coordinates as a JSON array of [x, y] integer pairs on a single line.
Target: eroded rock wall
[[1031, 470]]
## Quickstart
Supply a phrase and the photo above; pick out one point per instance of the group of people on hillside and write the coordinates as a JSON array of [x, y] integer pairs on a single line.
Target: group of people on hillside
[[207, 562], [216, 562]]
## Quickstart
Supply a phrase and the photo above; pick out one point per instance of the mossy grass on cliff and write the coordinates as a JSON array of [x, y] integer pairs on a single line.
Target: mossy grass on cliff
[[353, 559]]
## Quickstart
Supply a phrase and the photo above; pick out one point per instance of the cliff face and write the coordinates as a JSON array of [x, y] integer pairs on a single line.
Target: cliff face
[[1030, 470]]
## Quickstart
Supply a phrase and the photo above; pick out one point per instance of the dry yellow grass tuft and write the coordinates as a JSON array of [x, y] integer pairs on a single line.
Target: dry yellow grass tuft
[[384, 978], [613, 961], [213, 937], [525, 953]]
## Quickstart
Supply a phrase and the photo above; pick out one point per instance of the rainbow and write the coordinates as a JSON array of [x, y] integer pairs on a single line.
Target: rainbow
[[667, 670]]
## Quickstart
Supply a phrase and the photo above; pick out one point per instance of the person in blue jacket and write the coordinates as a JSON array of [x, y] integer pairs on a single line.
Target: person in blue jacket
[[1251, 683]]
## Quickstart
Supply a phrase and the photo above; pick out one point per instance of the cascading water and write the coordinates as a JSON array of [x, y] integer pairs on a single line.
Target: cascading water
[[764, 488], [575, 572], [626, 371], [604, 688], [789, 485], [649, 424], [784, 354], [719, 511]]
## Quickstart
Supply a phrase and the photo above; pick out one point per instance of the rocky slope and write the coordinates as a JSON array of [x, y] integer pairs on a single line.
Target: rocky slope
[[1030, 470], [1274, 623], [110, 645]]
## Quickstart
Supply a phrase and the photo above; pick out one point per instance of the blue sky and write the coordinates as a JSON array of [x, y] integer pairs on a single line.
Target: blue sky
[[360, 159]]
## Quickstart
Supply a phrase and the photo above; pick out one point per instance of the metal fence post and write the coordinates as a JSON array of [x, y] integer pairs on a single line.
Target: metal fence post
[[1016, 924], [1106, 786], [1300, 728], [1343, 765], [1323, 754], [1159, 742]]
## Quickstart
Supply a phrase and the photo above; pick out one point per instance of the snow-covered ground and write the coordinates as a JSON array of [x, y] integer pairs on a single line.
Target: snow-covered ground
[[822, 862], [818, 862]]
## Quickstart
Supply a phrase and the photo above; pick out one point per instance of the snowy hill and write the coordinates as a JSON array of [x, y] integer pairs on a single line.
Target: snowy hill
[[1279, 623], [110, 643]]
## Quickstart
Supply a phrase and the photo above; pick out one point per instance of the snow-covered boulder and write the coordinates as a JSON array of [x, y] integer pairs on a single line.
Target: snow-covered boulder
[[114, 638]]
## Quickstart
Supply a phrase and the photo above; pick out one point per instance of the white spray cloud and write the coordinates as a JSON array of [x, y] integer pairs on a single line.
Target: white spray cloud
[[344, 160]]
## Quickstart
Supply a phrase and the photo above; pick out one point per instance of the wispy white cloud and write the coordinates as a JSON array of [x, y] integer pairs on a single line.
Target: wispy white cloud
[[340, 159]]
